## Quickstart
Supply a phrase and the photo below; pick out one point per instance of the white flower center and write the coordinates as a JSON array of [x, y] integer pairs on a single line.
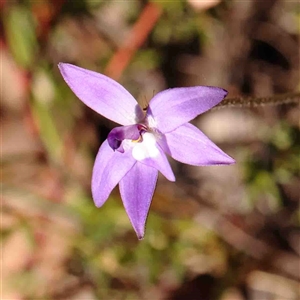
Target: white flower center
[[145, 149], [151, 121]]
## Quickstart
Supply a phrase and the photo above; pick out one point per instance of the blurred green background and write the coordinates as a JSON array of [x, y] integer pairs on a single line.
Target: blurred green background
[[220, 232]]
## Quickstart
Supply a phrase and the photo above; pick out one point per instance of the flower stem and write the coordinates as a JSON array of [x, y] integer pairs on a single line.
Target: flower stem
[[252, 101]]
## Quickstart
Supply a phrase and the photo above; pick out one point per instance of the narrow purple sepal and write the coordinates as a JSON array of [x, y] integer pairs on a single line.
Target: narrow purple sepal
[[136, 189], [102, 94], [189, 145], [109, 168], [174, 107]]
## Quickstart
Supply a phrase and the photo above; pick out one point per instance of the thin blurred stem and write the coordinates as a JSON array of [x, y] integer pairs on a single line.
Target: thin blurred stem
[[138, 35], [260, 101]]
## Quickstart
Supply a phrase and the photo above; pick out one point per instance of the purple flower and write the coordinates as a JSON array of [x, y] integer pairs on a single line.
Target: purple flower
[[133, 153]]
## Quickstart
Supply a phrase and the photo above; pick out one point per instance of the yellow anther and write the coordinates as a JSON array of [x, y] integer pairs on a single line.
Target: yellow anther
[[138, 140]]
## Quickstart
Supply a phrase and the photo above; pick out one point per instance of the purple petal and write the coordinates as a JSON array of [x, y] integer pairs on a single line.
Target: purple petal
[[102, 94], [160, 163], [149, 153], [118, 134], [189, 145], [137, 188], [172, 108], [109, 168]]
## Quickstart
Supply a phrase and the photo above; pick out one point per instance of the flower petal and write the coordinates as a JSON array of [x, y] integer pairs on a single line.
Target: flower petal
[[172, 108], [136, 189], [149, 153], [118, 134], [189, 145], [102, 94], [109, 168]]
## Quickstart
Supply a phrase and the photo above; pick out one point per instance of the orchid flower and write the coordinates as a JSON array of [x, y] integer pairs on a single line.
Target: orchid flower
[[133, 153]]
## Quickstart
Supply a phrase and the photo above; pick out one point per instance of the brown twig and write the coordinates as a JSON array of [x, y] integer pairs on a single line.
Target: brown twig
[[137, 37], [260, 101]]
